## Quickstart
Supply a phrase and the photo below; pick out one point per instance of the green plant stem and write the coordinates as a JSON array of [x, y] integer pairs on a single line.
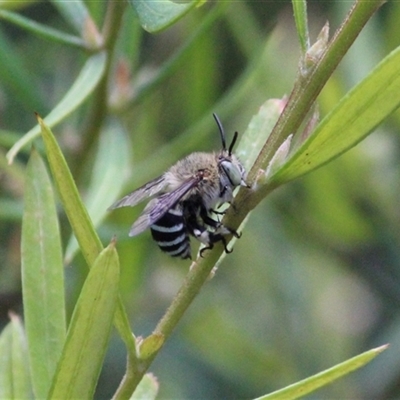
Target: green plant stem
[[129, 381], [307, 88], [302, 98], [198, 274]]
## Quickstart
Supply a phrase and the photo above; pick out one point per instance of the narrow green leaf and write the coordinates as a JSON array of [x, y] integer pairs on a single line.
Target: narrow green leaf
[[84, 85], [89, 330], [147, 388], [82, 226], [14, 370], [357, 114], [110, 173], [42, 276], [76, 211], [317, 381], [300, 17], [41, 30], [157, 15]]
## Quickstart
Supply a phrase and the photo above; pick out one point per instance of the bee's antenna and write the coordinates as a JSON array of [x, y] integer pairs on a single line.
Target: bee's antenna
[[221, 131], [232, 143]]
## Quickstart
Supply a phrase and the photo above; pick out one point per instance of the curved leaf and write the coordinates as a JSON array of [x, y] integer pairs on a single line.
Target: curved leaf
[[41, 30], [317, 381], [84, 85], [157, 15], [357, 114]]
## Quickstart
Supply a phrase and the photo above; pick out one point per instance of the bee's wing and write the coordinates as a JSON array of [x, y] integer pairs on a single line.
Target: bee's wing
[[160, 205], [149, 189]]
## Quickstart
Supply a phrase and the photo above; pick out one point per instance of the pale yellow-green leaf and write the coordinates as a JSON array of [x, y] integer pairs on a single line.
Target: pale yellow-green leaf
[[89, 330]]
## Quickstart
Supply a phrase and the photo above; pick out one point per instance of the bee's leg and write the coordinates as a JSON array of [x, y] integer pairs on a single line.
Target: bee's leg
[[209, 247], [223, 240], [225, 230], [222, 229], [210, 221], [207, 237], [199, 231], [214, 238], [233, 232], [205, 216], [217, 212]]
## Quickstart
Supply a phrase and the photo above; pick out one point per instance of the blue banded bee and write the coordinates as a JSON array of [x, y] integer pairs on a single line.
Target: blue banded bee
[[185, 200]]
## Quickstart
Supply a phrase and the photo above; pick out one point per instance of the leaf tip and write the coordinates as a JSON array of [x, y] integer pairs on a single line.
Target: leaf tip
[[13, 316], [315, 52], [382, 348], [113, 241], [10, 157], [39, 118]]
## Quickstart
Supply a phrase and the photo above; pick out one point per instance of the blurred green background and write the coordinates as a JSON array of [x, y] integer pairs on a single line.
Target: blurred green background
[[315, 278]]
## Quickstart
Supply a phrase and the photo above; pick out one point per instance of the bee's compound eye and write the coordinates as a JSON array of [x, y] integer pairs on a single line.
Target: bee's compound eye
[[232, 172]]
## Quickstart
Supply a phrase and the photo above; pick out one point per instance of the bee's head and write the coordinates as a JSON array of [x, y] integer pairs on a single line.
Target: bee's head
[[234, 170], [228, 162]]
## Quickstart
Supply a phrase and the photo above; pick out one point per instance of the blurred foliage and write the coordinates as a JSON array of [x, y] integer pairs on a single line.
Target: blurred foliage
[[314, 280]]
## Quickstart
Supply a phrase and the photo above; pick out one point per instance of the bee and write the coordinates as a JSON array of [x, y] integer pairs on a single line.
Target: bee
[[185, 199]]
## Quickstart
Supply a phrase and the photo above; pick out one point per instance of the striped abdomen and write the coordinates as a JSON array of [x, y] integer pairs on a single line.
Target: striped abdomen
[[171, 234]]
